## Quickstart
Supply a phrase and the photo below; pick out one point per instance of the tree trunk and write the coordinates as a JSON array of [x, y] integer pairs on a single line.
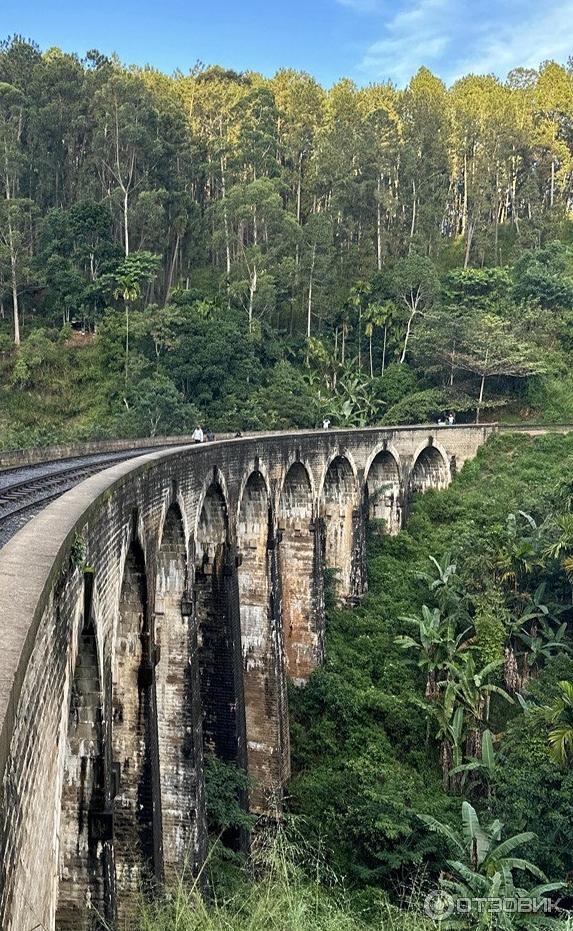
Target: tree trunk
[[310, 283], [125, 221], [299, 189], [171, 272], [379, 226], [407, 336], [225, 220], [446, 761], [370, 353], [126, 343], [13, 256], [252, 292], [552, 197], [465, 203], [413, 226], [469, 239], [481, 390], [384, 348], [14, 280]]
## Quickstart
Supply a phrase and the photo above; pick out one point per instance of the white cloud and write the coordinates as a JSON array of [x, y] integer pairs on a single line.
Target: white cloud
[[455, 37], [546, 33], [416, 35]]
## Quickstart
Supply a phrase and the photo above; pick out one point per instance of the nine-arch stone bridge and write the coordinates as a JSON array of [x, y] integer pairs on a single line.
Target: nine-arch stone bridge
[[153, 614]]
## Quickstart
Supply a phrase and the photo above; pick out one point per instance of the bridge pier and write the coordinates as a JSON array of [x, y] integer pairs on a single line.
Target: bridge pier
[[136, 839], [178, 705], [301, 581], [85, 823], [341, 515], [263, 655], [219, 632]]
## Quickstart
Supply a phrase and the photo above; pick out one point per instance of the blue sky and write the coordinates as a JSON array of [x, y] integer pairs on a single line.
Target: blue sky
[[367, 40]]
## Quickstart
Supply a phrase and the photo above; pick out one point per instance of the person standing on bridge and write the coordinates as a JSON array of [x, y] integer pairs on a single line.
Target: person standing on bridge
[[198, 436]]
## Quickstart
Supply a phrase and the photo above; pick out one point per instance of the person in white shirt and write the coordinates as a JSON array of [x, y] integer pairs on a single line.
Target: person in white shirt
[[198, 436], [326, 424]]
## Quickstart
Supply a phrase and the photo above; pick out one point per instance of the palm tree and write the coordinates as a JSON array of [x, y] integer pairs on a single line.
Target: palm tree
[[386, 319], [126, 283], [450, 735], [378, 315], [483, 868], [128, 290], [561, 548], [560, 715], [358, 294]]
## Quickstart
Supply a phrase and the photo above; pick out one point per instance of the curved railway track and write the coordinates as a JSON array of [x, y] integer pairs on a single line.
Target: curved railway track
[[25, 491]]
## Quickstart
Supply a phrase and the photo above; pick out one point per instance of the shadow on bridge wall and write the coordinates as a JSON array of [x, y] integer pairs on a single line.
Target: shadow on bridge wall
[[153, 615]]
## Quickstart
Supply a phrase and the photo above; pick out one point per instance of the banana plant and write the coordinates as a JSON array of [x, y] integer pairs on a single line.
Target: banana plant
[[473, 691], [444, 583], [437, 643], [543, 644], [484, 766], [522, 551], [481, 872], [450, 735]]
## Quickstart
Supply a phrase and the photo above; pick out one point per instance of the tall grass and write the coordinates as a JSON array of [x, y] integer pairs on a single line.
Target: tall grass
[[281, 889]]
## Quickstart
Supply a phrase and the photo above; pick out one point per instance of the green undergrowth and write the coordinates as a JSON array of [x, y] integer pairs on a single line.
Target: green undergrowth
[[285, 887]]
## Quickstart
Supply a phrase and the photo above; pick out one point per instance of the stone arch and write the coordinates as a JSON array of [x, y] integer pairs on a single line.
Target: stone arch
[[218, 629], [261, 639], [429, 469], [339, 510], [301, 575], [178, 702], [382, 490], [136, 838], [85, 833]]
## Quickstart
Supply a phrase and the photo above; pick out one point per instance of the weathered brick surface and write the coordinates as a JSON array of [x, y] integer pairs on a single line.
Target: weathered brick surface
[[178, 704], [261, 643], [132, 741], [340, 498], [250, 554], [81, 887]]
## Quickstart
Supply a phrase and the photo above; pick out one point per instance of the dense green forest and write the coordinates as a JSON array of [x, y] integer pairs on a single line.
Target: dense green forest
[[261, 252]]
